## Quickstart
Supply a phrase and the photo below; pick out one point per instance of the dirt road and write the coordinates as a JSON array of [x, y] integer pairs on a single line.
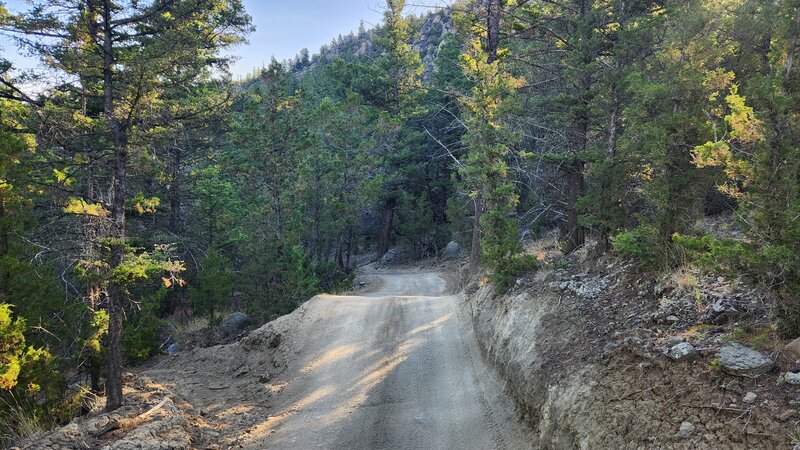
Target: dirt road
[[394, 368]]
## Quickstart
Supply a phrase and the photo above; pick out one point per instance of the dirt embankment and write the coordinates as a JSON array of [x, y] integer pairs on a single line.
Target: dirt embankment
[[203, 398], [582, 349]]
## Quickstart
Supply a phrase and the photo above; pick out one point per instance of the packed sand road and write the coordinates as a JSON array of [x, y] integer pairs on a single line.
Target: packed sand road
[[394, 368]]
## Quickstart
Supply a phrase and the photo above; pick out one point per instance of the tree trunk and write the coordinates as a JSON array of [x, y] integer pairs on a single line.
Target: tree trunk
[[604, 238], [493, 29], [349, 252], [315, 225], [385, 233], [795, 33], [575, 233], [175, 201], [276, 198], [5, 280], [475, 250], [114, 300], [339, 258]]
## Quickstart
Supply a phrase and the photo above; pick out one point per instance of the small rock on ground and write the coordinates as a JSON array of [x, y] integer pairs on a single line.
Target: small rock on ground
[[792, 377], [452, 251], [234, 323], [682, 351], [173, 349], [686, 430]]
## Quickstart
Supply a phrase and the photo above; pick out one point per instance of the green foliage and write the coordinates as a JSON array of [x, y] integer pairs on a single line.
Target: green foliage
[[141, 336], [642, 243], [281, 278], [20, 364], [216, 205], [508, 269], [212, 287], [30, 386], [417, 227]]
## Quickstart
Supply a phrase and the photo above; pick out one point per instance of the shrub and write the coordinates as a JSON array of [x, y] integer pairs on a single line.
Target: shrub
[[20, 364], [212, 287], [775, 266], [140, 339], [31, 389], [509, 269], [638, 243], [648, 247]]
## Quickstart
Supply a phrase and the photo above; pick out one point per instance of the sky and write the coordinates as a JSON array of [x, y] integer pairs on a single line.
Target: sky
[[283, 27]]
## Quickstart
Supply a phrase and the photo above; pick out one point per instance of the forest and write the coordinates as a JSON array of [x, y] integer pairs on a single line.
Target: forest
[[142, 188]]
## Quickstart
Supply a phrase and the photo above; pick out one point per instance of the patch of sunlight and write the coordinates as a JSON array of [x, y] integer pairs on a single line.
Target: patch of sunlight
[[331, 356], [264, 428], [436, 323], [236, 411], [372, 376]]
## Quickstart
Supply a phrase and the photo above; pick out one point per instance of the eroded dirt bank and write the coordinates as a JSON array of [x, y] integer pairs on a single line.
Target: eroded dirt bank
[[583, 356]]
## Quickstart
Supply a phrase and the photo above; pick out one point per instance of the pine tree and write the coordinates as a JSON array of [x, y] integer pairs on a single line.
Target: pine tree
[[488, 142], [123, 69]]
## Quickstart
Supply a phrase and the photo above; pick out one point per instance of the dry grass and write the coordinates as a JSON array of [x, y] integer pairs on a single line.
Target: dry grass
[[687, 281], [191, 325], [20, 420]]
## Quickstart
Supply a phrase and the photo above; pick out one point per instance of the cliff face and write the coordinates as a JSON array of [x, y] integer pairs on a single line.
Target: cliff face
[[429, 32], [432, 32]]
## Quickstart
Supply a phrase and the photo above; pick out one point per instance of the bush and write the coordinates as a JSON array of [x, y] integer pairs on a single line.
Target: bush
[[31, 389], [646, 245], [141, 336], [213, 286], [775, 266], [21, 366], [509, 269], [637, 243]]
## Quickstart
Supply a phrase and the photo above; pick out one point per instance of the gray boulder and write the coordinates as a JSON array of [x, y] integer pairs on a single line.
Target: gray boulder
[[398, 254], [682, 351], [721, 311], [234, 323], [736, 359], [452, 251], [173, 349], [792, 349]]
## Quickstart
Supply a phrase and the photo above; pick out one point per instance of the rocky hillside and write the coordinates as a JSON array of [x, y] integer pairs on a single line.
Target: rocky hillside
[[429, 32], [599, 355]]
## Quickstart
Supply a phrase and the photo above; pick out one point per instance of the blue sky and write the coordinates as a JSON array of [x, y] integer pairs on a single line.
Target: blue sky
[[283, 27]]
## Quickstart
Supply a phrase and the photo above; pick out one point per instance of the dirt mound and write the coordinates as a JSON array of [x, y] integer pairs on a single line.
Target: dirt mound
[[205, 398]]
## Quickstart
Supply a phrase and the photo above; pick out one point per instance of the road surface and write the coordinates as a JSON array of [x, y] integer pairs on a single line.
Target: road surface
[[396, 368]]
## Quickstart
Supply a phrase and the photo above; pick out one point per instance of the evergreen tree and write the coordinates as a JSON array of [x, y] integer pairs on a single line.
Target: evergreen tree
[[122, 69]]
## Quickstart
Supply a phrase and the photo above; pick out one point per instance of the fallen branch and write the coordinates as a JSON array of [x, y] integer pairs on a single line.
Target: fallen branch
[[719, 408], [152, 410]]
